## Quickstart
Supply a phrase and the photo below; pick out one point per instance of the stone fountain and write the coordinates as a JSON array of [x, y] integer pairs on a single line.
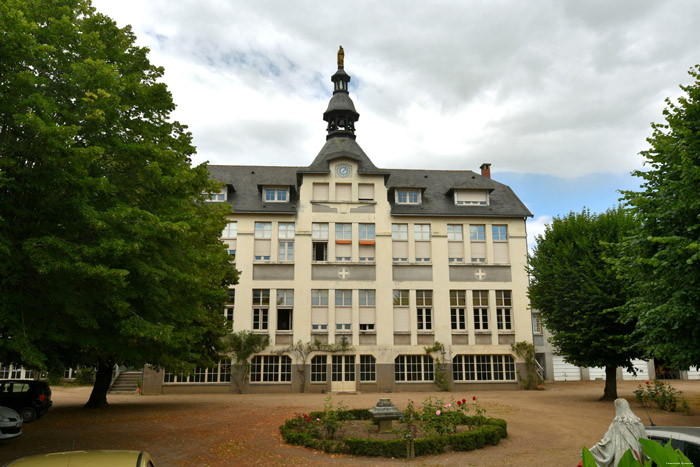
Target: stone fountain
[[384, 413]]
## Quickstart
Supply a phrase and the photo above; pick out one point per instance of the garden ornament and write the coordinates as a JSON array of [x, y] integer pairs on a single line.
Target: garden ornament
[[623, 434]]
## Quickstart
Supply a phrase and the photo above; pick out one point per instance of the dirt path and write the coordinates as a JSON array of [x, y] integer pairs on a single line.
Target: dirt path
[[545, 428]]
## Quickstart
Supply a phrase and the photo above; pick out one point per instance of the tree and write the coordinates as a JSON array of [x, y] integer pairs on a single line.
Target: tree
[[108, 253], [578, 294], [661, 258], [244, 344]]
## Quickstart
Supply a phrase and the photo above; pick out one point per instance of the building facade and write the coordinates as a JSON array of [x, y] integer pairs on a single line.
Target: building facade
[[370, 266]]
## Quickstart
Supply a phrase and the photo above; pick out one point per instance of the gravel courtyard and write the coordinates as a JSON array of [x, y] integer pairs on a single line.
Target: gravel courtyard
[[545, 428]]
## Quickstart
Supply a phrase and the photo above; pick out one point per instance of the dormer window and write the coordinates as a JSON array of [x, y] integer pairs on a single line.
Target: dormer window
[[276, 194], [472, 197], [407, 196], [219, 197]]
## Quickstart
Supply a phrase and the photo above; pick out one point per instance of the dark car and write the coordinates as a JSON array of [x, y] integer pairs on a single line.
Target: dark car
[[684, 438], [31, 399]]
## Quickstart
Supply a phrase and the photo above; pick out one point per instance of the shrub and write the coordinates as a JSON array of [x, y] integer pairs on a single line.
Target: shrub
[[665, 396], [85, 376]]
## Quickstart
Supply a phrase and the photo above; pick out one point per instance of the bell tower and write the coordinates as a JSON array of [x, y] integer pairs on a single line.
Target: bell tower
[[341, 114]]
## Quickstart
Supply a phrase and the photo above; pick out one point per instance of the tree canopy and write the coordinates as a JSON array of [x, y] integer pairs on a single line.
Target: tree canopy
[[108, 253], [662, 257], [577, 291]]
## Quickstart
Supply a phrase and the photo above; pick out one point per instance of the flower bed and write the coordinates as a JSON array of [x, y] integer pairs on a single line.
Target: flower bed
[[432, 429]]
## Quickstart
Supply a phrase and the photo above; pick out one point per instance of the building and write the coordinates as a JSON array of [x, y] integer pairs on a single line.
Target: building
[[373, 265]]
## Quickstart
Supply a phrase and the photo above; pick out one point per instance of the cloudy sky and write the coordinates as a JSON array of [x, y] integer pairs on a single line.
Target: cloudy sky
[[557, 95]]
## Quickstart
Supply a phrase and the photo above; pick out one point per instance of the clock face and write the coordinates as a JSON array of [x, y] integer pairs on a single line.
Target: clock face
[[343, 170]]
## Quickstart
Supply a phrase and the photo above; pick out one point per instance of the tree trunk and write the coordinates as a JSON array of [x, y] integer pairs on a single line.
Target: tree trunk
[[103, 378], [610, 393]]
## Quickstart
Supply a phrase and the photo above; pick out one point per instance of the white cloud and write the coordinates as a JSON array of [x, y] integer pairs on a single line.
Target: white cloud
[[536, 227]]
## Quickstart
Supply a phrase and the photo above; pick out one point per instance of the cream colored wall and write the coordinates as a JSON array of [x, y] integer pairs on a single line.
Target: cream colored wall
[[385, 351]]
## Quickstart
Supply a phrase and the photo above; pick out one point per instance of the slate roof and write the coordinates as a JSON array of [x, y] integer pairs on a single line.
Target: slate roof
[[336, 148], [245, 185]]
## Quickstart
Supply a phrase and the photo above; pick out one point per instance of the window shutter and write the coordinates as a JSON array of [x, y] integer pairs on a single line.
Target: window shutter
[[367, 315], [402, 323], [478, 250], [365, 191], [343, 192], [319, 315], [343, 249], [423, 250], [500, 253], [471, 196], [262, 248], [455, 250], [343, 315], [366, 251], [399, 250], [320, 192]]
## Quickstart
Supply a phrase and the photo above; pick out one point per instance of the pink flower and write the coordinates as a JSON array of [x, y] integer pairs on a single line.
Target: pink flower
[[438, 412], [318, 419], [447, 406]]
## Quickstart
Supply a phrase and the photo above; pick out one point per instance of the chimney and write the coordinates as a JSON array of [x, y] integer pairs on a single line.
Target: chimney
[[486, 170]]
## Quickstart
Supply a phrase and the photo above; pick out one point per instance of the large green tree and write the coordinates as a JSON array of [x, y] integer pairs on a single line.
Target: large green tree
[[108, 253], [575, 288], [662, 258]]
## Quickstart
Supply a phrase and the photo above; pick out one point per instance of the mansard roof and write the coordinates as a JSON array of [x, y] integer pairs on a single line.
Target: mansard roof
[[245, 185]]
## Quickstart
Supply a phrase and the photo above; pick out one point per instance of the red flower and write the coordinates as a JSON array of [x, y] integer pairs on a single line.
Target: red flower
[[474, 398], [459, 402], [464, 401], [656, 393], [305, 416], [647, 382]]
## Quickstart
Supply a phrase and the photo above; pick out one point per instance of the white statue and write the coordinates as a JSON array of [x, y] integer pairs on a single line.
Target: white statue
[[623, 434]]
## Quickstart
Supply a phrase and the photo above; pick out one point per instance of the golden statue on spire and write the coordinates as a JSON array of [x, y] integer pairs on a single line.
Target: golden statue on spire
[[341, 57]]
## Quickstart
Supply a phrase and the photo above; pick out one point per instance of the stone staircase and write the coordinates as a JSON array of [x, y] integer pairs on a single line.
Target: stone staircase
[[126, 383]]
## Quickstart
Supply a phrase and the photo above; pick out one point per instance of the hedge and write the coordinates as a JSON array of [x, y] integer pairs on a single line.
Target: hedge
[[485, 432]]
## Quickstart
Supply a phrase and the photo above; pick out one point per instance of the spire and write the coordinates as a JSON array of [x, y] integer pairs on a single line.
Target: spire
[[341, 115]]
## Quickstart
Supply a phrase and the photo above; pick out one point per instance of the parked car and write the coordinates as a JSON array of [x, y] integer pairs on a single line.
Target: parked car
[[10, 423], [684, 438], [31, 399], [86, 459]]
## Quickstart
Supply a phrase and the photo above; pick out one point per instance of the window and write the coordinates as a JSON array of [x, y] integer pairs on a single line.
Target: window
[[261, 305], [367, 239], [471, 197], [286, 251], [343, 309], [422, 237], [319, 310], [483, 368], [500, 233], [343, 242], [367, 301], [400, 297], [219, 373], [285, 307], [228, 317], [458, 316], [399, 244], [343, 192], [504, 320], [276, 194], [219, 197], [318, 369], [477, 236], [481, 310], [365, 191], [536, 323], [263, 233], [319, 237], [231, 296], [230, 231], [424, 309], [343, 297], [413, 368], [421, 231], [500, 244], [320, 192], [402, 320], [407, 196], [477, 233], [368, 368], [271, 369], [454, 232]]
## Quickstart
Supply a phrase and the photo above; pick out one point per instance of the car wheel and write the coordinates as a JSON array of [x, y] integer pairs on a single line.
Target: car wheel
[[28, 414]]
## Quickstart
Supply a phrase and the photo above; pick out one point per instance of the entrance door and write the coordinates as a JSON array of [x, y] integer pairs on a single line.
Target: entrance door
[[343, 373]]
